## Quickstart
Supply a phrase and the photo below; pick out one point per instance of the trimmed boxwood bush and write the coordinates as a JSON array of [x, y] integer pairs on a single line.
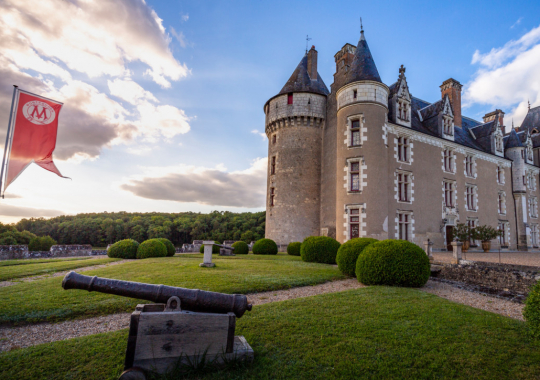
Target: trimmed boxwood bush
[[265, 247], [394, 263], [293, 248], [170, 247], [123, 249], [531, 312], [40, 243], [151, 248], [240, 248], [215, 249], [319, 249], [348, 253]]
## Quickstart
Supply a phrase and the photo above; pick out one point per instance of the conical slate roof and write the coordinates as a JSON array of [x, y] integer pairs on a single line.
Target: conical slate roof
[[512, 140], [363, 66], [301, 82]]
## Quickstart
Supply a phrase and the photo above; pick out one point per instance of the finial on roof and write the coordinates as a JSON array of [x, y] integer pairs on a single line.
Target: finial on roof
[[512, 123], [307, 41], [528, 101], [361, 30], [401, 71]]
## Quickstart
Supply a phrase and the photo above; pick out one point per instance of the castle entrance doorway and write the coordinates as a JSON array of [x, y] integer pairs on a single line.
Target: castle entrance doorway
[[449, 237]]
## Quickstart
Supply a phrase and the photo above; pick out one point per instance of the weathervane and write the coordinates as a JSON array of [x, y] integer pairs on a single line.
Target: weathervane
[[307, 41]]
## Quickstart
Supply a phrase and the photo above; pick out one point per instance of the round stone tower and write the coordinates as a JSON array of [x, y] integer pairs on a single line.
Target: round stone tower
[[294, 121], [362, 189]]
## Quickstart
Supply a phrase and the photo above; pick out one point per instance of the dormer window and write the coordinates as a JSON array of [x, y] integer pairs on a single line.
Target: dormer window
[[403, 110], [498, 143], [529, 154], [448, 128]]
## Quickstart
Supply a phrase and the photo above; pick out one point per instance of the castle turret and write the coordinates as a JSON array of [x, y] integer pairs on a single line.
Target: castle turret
[[362, 109], [294, 120]]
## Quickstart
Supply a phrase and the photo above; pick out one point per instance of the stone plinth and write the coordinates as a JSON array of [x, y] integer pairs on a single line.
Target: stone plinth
[[207, 260], [456, 246]]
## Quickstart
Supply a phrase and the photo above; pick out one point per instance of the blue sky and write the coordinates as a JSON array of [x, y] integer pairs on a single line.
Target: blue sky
[[164, 99]]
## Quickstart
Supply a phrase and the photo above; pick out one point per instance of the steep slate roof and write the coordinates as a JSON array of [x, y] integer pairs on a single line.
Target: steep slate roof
[[363, 66], [532, 120], [522, 137], [536, 140], [512, 140], [483, 132], [300, 81]]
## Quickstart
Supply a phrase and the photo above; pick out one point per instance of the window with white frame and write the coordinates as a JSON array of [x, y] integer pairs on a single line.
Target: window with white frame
[[529, 153], [470, 166], [500, 175], [404, 225], [502, 203], [470, 191], [503, 227], [533, 207], [403, 110], [404, 186], [498, 143], [448, 160], [356, 139], [534, 235], [354, 172], [448, 127], [404, 149], [449, 193], [354, 223]]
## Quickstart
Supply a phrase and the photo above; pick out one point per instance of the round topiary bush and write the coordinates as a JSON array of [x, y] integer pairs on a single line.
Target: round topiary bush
[[394, 263], [240, 248], [124, 249], [319, 249], [215, 249], [348, 253], [151, 248], [170, 247], [265, 247], [531, 312], [293, 248]]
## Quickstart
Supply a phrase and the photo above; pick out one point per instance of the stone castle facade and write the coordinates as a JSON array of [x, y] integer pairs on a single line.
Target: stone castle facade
[[365, 159]]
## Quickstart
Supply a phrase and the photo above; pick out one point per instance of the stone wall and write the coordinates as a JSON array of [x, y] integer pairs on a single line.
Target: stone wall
[[516, 279], [15, 252], [71, 250], [11, 252]]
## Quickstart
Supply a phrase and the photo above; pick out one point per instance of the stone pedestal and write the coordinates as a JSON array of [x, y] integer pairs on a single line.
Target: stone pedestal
[[207, 260], [457, 248], [428, 245]]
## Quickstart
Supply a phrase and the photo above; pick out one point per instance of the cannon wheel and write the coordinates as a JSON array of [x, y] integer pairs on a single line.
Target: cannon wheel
[[132, 374]]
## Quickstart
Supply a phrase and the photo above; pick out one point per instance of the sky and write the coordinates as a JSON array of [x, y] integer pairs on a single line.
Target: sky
[[163, 100]]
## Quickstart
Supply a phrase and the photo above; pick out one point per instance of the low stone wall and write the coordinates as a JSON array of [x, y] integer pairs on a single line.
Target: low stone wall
[[515, 279], [13, 252], [71, 250]]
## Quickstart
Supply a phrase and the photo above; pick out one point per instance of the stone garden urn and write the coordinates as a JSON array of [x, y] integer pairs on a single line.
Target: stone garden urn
[[466, 245], [486, 246]]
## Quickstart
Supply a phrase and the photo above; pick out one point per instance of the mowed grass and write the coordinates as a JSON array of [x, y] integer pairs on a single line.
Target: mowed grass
[[368, 333], [45, 299], [6, 263], [11, 272]]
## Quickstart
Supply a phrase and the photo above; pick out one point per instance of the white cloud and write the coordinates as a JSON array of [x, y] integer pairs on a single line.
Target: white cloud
[[215, 187], [179, 37], [60, 39], [262, 134], [517, 23], [508, 76], [185, 17]]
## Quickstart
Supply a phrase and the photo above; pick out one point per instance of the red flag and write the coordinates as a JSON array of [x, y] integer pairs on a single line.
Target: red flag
[[34, 134]]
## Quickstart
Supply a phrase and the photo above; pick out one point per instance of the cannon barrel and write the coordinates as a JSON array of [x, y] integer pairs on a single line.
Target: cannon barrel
[[190, 299], [224, 246]]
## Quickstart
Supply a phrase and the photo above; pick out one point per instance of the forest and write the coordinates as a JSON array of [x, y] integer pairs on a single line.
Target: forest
[[100, 229]]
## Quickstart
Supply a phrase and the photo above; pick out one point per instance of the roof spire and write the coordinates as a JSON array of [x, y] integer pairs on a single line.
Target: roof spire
[[529, 102], [361, 30]]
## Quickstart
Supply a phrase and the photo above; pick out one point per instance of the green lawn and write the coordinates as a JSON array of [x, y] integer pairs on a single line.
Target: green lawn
[[6, 263], [24, 270], [46, 300], [368, 333]]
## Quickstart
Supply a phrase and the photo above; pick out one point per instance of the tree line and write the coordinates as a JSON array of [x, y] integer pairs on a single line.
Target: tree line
[[101, 229]]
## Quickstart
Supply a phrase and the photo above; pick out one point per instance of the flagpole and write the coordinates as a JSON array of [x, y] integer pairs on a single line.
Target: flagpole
[[7, 138]]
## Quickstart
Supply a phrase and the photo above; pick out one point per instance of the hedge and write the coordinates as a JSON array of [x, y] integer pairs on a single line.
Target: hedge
[[394, 263], [531, 312], [348, 253], [41, 243], [151, 248], [170, 247], [319, 249], [293, 248], [240, 248], [265, 247], [123, 249], [215, 248]]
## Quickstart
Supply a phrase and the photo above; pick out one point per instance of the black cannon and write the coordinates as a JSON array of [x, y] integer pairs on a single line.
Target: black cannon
[[191, 299]]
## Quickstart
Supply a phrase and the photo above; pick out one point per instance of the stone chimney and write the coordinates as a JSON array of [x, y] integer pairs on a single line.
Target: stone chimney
[[312, 63], [497, 114], [452, 88]]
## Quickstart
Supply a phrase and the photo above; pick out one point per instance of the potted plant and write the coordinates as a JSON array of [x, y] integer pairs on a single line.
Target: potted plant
[[462, 233], [485, 234]]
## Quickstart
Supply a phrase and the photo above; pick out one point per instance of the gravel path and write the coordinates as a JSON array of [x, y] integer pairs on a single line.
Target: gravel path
[[59, 274], [516, 258]]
